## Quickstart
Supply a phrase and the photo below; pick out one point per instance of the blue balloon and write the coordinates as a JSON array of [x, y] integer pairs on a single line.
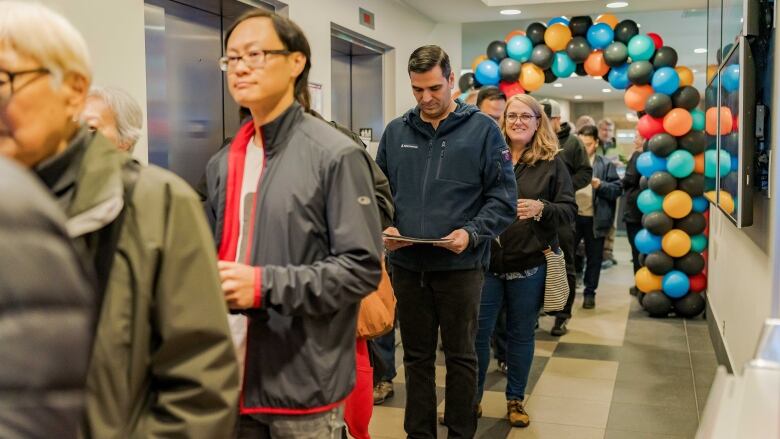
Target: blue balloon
[[519, 48], [711, 164], [487, 73], [618, 77], [563, 66], [734, 163], [641, 48], [676, 284], [648, 201], [646, 242], [666, 80], [600, 35], [647, 163], [700, 204], [730, 78], [680, 163], [558, 20], [698, 243]]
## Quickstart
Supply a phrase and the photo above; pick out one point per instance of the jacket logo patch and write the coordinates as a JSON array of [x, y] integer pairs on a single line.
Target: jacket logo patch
[[405, 145], [506, 155], [365, 201]]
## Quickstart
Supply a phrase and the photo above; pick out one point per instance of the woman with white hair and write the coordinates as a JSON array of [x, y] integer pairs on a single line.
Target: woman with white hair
[[115, 114], [162, 361]]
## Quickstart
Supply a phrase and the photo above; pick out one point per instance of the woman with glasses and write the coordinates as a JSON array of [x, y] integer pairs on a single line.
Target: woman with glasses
[[517, 263]]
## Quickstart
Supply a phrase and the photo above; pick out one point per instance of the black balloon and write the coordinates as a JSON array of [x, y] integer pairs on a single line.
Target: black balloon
[[578, 49], [690, 264], [692, 185], [625, 30], [640, 72], [535, 32], [730, 143], [466, 82], [616, 54], [542, 56], [662, 144], [643, 183], [659, 263], [725, 51], [693, 224], [496, 50], [690, 305], [580, 24], [694, 142], [686, 97], [657, 223], [711, 97], [509, 70], [662, 182], [657, 304], [658, 104], [642, 258], [549, 77], [665, 57]]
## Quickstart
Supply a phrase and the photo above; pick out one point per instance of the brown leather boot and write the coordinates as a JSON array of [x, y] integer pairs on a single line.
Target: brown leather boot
[[516, 413]]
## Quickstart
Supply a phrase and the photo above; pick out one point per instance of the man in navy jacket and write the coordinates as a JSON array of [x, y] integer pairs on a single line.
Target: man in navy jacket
[[451, 176]]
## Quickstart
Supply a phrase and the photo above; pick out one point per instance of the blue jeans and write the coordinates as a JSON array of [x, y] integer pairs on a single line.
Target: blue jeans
[[523, 299]]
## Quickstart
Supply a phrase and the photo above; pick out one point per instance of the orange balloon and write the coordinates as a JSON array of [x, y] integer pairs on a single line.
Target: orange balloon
[[712, 69], [678, 122], [557, 37], [711, 195], [595, 64], [726, 201], [514, 33], [685, 74], [531, 76], [698, 161], [477, 60], [637, 95], [610, 19], [676, 243], [677, 204], [646, 281], [711, 121]]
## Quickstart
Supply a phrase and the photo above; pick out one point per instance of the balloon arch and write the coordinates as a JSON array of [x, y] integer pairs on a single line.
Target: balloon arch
[[673, 240]]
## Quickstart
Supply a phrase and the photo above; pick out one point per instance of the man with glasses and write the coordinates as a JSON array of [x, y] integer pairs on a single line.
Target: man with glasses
[[450, 172], [296, 223]]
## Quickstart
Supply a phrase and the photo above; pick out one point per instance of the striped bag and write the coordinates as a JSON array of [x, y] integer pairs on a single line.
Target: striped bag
[[556, 286]]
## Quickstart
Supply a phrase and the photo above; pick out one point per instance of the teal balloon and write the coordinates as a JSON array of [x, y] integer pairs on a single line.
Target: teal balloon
[[680, 163], [641, 48], [711, 163], [698, 120], [700, 204], [648, 201], [519, 48], [563, 66], [698, 243]]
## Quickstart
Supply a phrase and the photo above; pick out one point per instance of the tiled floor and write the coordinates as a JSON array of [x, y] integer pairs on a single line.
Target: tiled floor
[[617, 374]]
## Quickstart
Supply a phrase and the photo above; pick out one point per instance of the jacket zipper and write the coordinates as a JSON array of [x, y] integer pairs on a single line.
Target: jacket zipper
[[441, 158], [425, 186]]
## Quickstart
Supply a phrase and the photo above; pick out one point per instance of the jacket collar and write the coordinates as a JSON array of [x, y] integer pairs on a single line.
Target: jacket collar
[[460, 115], [276, 132]]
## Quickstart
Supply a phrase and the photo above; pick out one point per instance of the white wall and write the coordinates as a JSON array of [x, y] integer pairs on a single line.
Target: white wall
[[114, 30]]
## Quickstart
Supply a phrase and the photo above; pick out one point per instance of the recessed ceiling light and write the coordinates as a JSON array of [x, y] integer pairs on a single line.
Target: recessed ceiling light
[[606, 90], [700, 50], [694, 71], [638, 25], [578, 97], [510, 11], [557, 84], [597, 77], [615, 5]]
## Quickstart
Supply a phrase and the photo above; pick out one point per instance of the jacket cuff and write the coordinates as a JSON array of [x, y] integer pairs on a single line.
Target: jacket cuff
[[258, 287], [473, 236]]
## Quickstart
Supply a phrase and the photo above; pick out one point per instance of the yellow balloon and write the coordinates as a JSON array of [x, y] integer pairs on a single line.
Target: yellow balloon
[[647, 282], [712, 69], [726, 202], [476, 61], [685, 74], [610, 19], [711, 195], [676, 243], [557, 36], [677, 204], [531, 77]]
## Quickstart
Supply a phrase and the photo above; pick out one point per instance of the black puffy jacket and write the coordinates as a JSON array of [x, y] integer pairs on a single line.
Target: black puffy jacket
[[575, 157]]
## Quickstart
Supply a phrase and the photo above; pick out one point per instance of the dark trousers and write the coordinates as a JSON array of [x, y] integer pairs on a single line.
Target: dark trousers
[[594, 253], [427, 302], [498, 341], [566, 241], [632, 229], [385, 347], [326, 425]]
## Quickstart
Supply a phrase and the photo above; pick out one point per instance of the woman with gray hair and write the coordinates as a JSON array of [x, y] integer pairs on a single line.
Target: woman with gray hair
[[115, 114], [162, 361]]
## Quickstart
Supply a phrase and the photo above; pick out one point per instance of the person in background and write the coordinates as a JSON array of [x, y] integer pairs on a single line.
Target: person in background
[[451, 177], [583, 121], [632, 216], [608, 148], [596, 206], [297, 227], [516, 275], [162, 362], [491, 101], [577, 163], [48, 312], [114, 113]]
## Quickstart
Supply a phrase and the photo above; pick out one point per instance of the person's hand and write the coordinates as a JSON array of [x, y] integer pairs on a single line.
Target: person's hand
[[595, 182], [391, 244], [460, 241], [238, 284], [528, 208]]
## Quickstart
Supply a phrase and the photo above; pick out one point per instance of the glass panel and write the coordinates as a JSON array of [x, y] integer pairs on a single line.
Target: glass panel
[[728, 129], [714, 30], [732, 24]]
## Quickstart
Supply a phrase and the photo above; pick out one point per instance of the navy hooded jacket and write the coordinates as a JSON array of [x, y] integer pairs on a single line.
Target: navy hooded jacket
[[457, 176]]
